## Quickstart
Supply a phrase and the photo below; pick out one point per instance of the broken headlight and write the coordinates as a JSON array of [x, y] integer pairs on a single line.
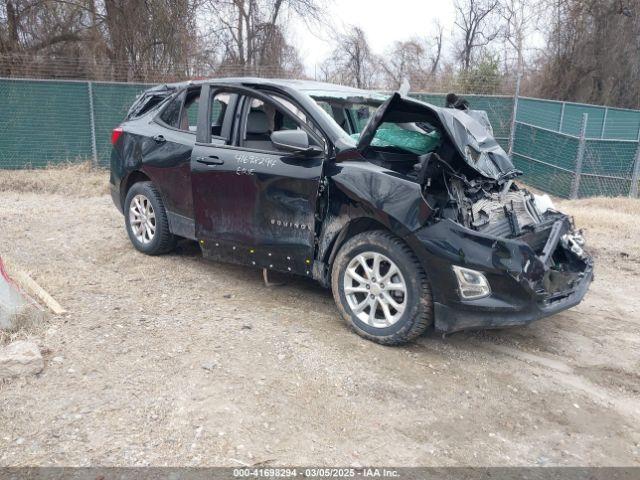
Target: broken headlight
[[471, 283], [574, 243]]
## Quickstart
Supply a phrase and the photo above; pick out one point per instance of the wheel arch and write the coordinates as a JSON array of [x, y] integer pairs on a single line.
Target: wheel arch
[[136, 176], [330, 243]]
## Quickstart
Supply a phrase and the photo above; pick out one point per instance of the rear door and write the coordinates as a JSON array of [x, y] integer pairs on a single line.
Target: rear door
[[167, 154], [255, 204]]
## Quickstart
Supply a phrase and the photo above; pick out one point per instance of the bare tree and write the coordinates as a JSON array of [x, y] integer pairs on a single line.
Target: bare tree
[[518, 18], [437, 50], [251, 32], [588, 56], [352, 62], [416, 60], [84, 38], [405, 61], [475, 20]]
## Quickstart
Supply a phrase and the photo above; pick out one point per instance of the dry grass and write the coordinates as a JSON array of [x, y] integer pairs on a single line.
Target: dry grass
[[73, 179], [612, 225], [27, 324]]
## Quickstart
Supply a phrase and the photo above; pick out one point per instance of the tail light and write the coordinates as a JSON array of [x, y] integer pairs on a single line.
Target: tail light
[[115, 135]]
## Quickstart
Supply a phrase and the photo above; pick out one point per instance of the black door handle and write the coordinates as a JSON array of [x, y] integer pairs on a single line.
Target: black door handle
[[159, 138], [210, 160]]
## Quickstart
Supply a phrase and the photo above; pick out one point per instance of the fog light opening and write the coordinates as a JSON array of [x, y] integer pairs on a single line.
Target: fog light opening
[[471, 283]]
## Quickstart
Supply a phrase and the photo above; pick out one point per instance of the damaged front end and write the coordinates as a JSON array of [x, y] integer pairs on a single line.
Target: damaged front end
[[532, 267], [496, 254], [505, 231]]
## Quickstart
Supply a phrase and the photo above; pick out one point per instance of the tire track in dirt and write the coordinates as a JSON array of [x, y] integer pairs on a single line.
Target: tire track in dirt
[[564, 374]]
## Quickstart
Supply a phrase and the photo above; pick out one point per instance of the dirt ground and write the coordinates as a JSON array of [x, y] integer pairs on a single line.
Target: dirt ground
[[175, 360]]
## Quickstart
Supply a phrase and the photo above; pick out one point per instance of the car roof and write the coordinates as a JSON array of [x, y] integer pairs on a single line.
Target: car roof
[[310, 87]]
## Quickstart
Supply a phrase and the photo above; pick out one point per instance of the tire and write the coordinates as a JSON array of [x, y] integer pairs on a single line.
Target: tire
[[143, 197], [403, 324]]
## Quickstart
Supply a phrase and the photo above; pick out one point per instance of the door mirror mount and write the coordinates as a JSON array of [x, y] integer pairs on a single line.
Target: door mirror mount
[[295, 141], [313, 150]]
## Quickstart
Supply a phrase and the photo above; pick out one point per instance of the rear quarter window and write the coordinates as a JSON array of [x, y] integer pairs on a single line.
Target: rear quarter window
[[171, 114]]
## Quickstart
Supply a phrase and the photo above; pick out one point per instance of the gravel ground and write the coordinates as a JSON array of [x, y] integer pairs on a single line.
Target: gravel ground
[[178, 361]]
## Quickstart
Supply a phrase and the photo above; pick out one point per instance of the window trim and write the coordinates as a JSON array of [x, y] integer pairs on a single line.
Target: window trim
[[241, 92], [185, 92], [227, 121], [270, 91], [245, 104]]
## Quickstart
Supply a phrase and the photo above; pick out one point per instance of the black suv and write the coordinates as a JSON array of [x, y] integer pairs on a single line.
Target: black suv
[[409, 212]]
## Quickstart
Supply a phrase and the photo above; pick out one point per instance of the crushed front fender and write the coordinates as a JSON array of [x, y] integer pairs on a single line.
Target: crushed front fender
[[525, 286]]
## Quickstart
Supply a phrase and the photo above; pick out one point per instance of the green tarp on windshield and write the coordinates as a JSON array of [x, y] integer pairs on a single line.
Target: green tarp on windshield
[[414, 142]]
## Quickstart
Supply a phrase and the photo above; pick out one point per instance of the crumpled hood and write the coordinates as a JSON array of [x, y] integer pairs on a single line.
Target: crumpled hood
[[473, 140], [475, 143]]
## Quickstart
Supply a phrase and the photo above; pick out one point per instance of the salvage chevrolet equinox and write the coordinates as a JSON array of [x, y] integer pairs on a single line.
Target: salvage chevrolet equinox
[[407, 211]]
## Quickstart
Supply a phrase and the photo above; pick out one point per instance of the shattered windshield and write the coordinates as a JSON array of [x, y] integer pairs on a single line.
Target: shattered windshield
[[410, 137], [360, 115], [427, 127], [351, 114], [352, 117]]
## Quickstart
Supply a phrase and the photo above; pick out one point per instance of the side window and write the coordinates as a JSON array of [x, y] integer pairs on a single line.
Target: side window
[[261, 120], [189, 117], [219, 104], [171, 114], [182, 111], [301, 116]]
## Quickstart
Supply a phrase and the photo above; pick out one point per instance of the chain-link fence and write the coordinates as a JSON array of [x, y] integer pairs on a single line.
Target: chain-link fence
[[575, 150], [46, 122], [567, 149]]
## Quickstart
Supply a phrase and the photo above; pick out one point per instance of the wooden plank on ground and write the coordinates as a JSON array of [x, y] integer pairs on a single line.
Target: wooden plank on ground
[[28, 283]]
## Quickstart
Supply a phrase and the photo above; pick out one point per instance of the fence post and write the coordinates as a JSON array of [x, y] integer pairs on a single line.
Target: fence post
[[92, 118], [604, 121], [633, 191], [512, 133], [575, 185]]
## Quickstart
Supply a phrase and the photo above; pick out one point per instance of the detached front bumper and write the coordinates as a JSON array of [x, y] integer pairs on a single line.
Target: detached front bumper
[[524, 285]]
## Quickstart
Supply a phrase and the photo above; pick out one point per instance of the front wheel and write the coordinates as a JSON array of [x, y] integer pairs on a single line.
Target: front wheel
[[380, 288]]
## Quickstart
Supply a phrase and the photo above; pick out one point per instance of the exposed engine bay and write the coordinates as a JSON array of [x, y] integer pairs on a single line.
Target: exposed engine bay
[[466, 177], [502, 213], [464, 173], [502, 209], [498, 208]]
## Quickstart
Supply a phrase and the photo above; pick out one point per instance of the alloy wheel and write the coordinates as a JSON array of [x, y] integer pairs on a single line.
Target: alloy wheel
[[142, 219], [375, 289]]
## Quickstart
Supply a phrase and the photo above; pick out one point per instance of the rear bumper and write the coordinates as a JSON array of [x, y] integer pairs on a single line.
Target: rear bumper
[[524, 287], [115, 196]]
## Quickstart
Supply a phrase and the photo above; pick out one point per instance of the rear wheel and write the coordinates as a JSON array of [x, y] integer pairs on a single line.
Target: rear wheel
[[380, 288], [146, 220]]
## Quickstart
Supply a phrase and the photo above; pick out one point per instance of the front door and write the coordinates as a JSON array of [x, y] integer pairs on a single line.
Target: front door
[[254, 203]]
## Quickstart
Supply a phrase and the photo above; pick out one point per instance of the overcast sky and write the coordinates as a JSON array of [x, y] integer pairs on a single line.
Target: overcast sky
[[383, 22]]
